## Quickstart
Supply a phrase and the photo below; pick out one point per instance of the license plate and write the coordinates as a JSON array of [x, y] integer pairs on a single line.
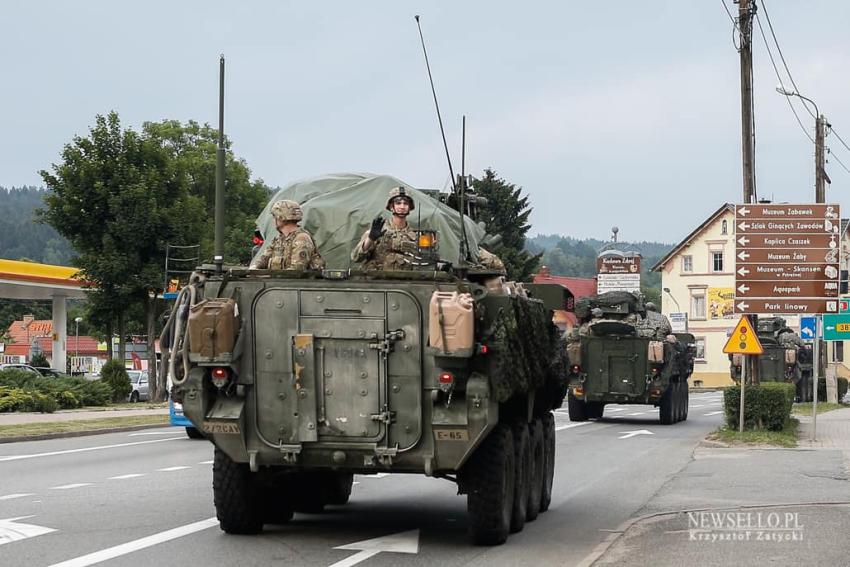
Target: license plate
[[220, 427], [451, 435]]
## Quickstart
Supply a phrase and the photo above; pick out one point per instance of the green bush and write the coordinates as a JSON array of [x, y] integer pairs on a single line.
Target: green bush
[[39, 361], [17, 399], [66, 392], [766, 406], [842, 389], [115, 376]]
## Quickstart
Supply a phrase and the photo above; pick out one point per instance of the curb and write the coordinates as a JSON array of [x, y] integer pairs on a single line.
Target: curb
[[63, 434]]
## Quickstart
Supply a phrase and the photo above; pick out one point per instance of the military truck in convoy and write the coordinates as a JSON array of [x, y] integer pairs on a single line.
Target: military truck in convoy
[[786, 358], [302, 379], [624, 352]]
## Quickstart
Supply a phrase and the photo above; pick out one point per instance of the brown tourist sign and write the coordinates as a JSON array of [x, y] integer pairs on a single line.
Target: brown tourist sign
[[787, 258]]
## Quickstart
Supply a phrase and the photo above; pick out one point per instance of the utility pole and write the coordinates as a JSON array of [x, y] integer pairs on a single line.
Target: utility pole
[[746, 9], [820, 160]]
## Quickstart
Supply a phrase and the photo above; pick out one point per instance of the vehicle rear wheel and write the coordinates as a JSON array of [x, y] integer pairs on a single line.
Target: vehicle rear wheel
[[686, 394], [594, 410], [194, 432], [134, 397], [489, 480], [666, 407], [522, 468], [677, 402], [576, 408], [549, 454], [237, 496], [537, 473], [339, 488]]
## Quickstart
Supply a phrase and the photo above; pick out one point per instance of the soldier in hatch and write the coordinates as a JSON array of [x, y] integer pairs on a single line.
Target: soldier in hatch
[[388, 245], [293, 248]]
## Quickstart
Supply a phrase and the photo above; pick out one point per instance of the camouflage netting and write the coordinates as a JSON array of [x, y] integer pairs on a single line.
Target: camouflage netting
[[654, 326], [622, 313], [528, 353], [633, 303], [789, 339]]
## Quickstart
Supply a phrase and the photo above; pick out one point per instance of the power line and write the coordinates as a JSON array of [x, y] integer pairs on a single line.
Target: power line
[[838, 160], [734, 21], [781, 56], [843, 143], [779, 77]]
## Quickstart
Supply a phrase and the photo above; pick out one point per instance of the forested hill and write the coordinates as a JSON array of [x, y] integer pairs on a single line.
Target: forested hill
[[567, 256], [23, 239]]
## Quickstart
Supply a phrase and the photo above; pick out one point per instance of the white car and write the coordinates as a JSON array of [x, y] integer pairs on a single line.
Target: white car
[[139, 382], [19, 366]]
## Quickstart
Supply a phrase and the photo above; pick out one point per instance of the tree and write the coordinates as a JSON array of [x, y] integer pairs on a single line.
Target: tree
[[506, 214], [119, 197]]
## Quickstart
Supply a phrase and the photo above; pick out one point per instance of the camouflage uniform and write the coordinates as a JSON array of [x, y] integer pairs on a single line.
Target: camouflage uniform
[[390, 252], [294, 251]]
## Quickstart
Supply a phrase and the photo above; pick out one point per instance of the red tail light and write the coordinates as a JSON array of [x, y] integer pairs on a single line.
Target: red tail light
[[575, 369], [219, 376], [446, 378], [483, 349]]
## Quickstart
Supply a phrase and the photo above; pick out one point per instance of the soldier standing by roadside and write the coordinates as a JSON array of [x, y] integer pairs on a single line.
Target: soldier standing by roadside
[[293, 248], [388, 245]]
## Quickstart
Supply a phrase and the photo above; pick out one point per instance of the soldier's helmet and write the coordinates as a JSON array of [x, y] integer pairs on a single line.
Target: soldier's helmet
[[399, 192], [287, 211]]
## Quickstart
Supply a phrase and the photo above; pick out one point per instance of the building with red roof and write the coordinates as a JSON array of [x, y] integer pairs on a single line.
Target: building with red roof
[[576, 288]]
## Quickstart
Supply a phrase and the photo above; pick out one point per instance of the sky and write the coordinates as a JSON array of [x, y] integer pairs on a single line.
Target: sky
[[606, 113]]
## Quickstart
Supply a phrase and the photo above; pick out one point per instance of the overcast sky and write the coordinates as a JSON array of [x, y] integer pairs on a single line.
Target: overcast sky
[[619, 112]]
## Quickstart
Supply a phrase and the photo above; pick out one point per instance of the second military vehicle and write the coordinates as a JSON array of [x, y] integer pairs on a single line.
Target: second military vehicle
[[623, 352], [303, 379], [786, 358]]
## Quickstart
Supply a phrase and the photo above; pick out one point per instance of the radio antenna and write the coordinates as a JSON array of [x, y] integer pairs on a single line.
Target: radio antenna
[[464, 245], [436, 104]]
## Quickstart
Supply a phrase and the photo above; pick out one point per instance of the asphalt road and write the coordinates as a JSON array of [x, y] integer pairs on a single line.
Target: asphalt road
[[145, 498]]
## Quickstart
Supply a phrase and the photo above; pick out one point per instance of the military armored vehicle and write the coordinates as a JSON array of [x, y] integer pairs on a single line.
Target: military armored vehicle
[[624, 353], [303, 379], [786, 358]]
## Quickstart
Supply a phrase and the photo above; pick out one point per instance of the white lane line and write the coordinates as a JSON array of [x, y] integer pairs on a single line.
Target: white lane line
[[644, 413], [570, 425], [716, 412], [137, 475], [23, 494], [210, 462], [146, 433], [84, 449], [180, 468], [70, 486], [130, 547], [693, 406]]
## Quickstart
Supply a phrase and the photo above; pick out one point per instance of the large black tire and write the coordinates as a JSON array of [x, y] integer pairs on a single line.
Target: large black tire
[[549, 454], [594, 410], [237, 496], [194, 432], [339, 488], [576, 408], [134, 397], [522, 468], [686, 394], [537, 469], [678, 409], [489, 480], [666, 408]]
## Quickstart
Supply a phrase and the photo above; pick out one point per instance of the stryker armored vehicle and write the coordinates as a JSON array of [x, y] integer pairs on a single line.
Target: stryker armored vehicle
[[303, 379], [786, 358], [624, 353]]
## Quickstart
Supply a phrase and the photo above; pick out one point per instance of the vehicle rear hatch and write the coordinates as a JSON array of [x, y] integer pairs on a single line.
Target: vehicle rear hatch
[[617, 367]]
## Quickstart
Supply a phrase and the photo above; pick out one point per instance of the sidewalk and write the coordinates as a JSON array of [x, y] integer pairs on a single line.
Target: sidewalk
[[74, 415], [748, 506]]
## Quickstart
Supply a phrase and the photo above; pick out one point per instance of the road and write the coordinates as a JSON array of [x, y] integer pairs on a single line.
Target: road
[[145, 498]]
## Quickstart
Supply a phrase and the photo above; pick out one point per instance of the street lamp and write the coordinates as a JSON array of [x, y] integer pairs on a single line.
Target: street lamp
[[820, 174], [783, 91], [667, 290], [77, 336]]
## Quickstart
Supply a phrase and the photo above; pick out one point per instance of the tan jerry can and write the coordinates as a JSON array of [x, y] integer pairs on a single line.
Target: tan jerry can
[[574, 353], [655, 352], [790, 356], [213, 326], [457, 321]]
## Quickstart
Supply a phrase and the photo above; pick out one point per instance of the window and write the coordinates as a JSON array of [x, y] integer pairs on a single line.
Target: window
[[837, 351], [700, 347], [698, 307], [717, 261], [687, 263], [724, 229]]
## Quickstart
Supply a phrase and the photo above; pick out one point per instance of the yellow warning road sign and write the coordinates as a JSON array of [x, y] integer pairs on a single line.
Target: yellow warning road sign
[[743, 339]]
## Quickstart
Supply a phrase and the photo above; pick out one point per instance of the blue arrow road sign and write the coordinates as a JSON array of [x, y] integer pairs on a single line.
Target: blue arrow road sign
[[808, 328]]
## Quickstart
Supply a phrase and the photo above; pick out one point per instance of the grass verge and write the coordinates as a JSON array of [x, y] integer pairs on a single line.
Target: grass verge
[[45, 428], [785, 438], [823, 407]]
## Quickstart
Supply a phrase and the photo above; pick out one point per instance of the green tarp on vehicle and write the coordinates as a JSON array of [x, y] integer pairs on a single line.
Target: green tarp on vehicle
[[339, 208]]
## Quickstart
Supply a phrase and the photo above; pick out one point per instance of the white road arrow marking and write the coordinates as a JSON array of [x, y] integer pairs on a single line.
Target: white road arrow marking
[[743, 307], [744, 211], [634, 433], [403, 542], [24, 494], [11, 530], [744, 226], [577, 424], [743, 289], [743, 272], [743, 241], [718, 412], [743, 255]]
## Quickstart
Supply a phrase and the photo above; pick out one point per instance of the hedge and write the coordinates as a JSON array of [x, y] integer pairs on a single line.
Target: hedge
[[24, 391], [766, 406], [115, 375]]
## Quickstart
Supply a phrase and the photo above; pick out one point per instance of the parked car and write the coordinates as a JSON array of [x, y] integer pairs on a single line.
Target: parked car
[[139, 382], [19, 366], [50, 372]]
